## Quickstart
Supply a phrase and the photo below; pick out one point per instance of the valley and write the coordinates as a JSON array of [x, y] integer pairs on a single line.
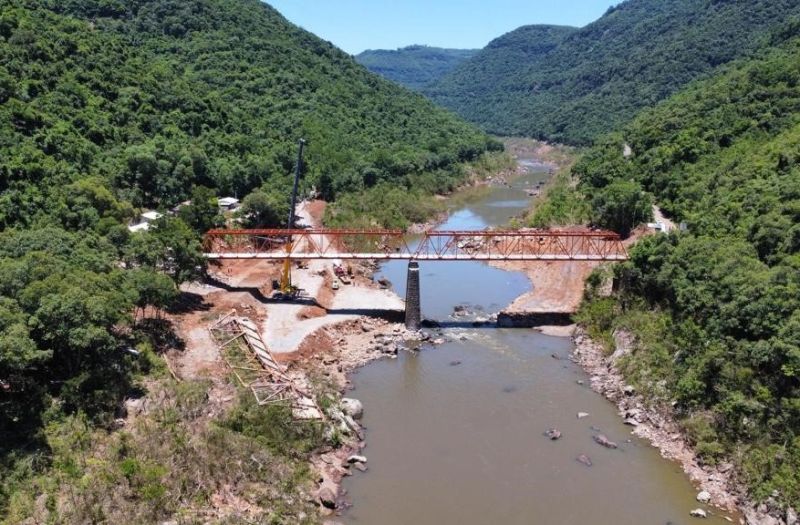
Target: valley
[[552, 279]]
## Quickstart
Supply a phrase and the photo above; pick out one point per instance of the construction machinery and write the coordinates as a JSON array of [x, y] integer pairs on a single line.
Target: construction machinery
[[286, 288]]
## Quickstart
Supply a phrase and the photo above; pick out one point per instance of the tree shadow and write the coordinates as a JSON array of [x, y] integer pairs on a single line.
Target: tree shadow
[[188, 302], [162, 334]]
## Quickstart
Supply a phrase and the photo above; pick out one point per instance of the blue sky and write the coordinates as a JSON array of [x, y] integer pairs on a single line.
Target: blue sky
[[356, 25]]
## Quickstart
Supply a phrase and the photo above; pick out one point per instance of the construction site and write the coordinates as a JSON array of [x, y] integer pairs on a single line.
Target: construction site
[[284, 312]]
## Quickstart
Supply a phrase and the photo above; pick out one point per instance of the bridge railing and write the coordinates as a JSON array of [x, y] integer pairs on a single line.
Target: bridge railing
[[487, 245]]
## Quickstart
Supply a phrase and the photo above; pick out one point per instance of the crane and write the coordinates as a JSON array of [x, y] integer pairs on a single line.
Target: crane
[[287, 289]]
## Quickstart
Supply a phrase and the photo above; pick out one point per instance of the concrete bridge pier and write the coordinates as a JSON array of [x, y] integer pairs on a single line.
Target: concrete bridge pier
[[413, 310]]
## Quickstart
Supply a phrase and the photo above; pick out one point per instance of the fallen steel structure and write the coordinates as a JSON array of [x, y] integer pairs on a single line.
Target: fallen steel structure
[[246, 354], [487, 245]]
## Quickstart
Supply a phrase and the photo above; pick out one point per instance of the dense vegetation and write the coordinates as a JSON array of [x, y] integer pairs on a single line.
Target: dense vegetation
[[110, 107], [149, 98], [413, 66], [571, 86], [171, 461], [716, 309]]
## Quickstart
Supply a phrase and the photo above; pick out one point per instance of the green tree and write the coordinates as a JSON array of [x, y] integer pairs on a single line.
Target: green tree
[[621, 206], [202, 214], [152, 289], [170, 246], [264, 209]]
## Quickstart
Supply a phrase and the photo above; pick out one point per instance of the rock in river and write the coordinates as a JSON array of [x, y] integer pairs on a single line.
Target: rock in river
[[553, 433], [698, 513], [352, 407], [327, 498], [704, 496], [582, 415], [356, 459], [584, 459], [601, 439]]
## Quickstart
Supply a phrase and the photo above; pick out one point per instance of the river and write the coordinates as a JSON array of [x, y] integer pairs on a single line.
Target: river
[[455, 433]]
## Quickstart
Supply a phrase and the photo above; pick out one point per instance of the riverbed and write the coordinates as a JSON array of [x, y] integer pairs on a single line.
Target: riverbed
[[455, 433]]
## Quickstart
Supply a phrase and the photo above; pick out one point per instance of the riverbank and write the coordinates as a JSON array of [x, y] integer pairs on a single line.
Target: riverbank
[[331, 338], [717, 484], [557, 294], [656, 425]]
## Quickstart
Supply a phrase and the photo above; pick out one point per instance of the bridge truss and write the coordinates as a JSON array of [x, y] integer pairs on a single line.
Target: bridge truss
[[487, 245]]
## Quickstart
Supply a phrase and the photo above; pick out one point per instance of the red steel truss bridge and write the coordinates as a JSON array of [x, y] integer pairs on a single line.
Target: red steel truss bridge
[[486, 245]]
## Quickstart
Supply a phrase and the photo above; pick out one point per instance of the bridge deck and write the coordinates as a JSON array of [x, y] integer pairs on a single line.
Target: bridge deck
[[487, 245]]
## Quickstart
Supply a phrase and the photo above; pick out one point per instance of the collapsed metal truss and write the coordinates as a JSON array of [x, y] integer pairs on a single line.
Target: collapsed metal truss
[[487, 245], [245, 352]]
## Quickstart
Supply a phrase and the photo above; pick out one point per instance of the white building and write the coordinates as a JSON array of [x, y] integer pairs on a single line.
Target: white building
[[228, 203], [659, 227], [151, 216], [140, 227], [144, 221]]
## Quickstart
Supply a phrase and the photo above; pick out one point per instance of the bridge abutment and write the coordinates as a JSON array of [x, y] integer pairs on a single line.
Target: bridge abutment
[[413, 309]]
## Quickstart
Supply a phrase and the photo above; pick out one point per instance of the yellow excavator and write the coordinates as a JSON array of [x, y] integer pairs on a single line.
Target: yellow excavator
[[285, 288]]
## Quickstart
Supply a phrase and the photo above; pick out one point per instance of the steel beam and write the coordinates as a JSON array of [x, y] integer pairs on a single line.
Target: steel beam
[[487, 245]]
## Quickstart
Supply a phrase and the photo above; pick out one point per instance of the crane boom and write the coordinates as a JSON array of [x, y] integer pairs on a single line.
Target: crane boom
[[286, 277]]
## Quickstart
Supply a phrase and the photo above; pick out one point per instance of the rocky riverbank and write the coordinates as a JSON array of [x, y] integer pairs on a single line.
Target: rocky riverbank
[[717, 484], [331, 354]]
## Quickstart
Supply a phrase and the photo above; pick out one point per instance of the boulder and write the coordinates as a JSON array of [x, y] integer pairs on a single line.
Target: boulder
[[327, 498], [460, 309], [352, 407], [704, 496], [760, 517], [584, 459], [553, 433], [791, 516], [601, 439], [623, 345], [356, 459], [628, 390], [698, 513], [633, 413], [134, 407]]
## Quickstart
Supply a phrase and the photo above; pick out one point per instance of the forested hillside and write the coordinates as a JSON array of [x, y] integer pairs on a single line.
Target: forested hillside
[[716, 309], [572, 86], [110, 107], [414, 66], [153, 97]]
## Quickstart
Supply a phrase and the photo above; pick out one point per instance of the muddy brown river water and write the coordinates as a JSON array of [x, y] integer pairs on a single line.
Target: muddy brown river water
[[455, 433]]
